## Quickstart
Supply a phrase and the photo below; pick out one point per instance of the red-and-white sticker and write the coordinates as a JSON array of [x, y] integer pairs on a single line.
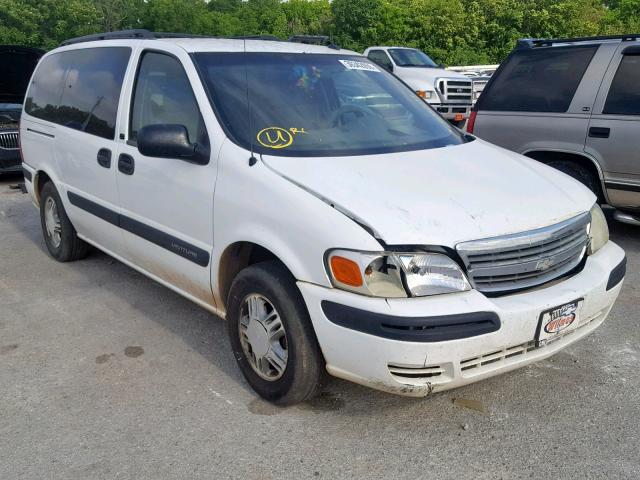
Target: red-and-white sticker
[[557, 320]]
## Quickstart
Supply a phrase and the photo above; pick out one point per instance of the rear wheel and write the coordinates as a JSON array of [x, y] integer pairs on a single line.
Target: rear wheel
[[59, 234], [580, 173], [271, 335]]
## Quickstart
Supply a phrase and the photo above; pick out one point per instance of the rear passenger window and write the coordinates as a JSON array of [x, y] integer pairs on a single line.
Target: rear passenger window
[[163, 96], [538, 80], [80, 89], [624, 94], [92, 89], [44, 92]]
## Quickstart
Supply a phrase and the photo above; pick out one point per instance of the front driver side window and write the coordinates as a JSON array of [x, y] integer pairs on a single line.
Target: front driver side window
[[163, 95]]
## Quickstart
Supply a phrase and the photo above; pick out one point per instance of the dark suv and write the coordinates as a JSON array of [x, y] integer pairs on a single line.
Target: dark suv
[[573, 104], [18, 64]]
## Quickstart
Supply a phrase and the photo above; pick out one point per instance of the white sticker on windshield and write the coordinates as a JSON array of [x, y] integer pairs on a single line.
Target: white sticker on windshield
[[355, 65]]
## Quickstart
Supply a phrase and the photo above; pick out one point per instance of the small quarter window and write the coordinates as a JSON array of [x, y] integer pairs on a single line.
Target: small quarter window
[[624, 94]]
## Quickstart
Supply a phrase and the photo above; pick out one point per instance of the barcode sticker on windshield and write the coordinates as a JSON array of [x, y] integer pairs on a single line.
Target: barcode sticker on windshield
[[355, 65]]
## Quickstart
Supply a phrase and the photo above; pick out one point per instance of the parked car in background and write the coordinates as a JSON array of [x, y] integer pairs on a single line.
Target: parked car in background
[[17, 65], [450, 93], [479, 83], [573, 104], [474, 70], [337, 221]]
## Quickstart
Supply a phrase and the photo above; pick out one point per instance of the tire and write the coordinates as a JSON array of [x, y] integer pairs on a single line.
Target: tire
[[580, 173], [304, 367], [68, 247]]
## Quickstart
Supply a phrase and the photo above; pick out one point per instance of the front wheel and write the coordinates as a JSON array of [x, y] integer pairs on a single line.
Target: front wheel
[[271, 335]]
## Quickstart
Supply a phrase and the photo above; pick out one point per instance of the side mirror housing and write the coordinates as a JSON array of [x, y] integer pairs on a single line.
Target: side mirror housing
[[169, 141]]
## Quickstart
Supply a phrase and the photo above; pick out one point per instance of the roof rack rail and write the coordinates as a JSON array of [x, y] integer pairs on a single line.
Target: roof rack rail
[[142, 34], [324, 40], [120, 34], [546, 42]]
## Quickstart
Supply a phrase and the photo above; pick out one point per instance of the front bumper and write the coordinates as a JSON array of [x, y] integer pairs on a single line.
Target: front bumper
[[453, 111], [416, 368]]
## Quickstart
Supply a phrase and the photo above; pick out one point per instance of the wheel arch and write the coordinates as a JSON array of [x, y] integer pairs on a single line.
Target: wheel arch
[[40, 178], [545, 156], [235, 258]]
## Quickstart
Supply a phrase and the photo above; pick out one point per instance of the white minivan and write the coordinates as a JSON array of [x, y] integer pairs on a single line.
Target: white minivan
[[309, 197]]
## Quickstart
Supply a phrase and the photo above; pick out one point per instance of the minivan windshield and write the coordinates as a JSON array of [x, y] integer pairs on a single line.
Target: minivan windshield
[[411, 57], [295, 104]]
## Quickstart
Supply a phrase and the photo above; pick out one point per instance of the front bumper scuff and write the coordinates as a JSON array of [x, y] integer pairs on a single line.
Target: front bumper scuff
[[416, 368]]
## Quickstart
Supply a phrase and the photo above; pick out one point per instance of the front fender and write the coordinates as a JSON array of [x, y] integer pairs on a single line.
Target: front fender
[[255, 204]]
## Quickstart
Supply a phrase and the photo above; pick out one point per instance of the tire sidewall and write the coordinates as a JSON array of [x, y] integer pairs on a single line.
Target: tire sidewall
[[293, 313], [66, 229]]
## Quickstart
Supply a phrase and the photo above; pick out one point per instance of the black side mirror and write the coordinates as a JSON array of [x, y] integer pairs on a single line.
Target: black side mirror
[[169, 141], [442, 65]]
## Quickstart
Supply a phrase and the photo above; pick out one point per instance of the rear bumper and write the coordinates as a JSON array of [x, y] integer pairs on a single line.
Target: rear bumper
[[415, 364]]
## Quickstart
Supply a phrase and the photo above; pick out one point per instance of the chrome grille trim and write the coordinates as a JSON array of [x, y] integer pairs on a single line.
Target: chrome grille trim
[[528, 259], [9, 140], [454, 90]]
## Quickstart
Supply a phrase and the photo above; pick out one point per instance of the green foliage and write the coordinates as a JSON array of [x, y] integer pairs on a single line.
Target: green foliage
[[451, 31]]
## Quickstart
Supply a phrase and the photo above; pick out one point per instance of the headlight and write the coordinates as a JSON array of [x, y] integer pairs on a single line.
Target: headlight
[[426, 94], [598, 231], [395, 274]]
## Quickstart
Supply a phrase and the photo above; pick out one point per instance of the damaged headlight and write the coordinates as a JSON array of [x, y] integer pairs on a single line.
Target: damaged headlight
[[395, 274], [598, 230]]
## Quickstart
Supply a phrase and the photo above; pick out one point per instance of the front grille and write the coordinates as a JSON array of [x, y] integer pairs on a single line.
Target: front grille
[[525, 260], [455, 90], [9, 140]]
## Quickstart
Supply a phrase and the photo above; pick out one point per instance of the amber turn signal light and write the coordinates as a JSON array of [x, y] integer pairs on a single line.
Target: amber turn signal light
[[346, 271]]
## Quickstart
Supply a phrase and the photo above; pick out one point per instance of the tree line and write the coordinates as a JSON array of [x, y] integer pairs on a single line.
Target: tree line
[[451, 31]]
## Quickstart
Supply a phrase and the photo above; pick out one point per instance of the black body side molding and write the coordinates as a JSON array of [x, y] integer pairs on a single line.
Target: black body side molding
[[151, 234], [412, 329]]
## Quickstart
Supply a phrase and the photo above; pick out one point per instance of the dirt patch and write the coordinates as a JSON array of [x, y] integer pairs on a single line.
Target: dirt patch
[[324, 402], [8, 348], [104, 358], [133, 351]]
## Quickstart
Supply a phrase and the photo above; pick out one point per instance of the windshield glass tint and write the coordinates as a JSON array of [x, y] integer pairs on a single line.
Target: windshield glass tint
[[318, 105], [409, 57]]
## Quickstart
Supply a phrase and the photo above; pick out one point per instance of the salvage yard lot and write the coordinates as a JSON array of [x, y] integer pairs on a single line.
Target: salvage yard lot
[[106, 374]]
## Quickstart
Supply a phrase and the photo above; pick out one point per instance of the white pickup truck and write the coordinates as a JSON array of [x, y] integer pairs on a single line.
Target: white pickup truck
[[450, 93]]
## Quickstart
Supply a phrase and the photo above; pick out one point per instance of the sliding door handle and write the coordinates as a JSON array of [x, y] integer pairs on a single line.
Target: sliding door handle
[[104, 157]]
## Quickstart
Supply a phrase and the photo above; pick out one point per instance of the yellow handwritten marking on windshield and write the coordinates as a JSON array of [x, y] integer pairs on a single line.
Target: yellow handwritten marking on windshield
[[277, 137]]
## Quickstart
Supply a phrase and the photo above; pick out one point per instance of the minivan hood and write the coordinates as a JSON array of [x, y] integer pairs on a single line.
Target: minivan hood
[[18, 64], [441, 196]]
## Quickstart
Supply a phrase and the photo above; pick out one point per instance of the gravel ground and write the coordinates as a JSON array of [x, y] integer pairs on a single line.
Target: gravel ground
[[106, 374]]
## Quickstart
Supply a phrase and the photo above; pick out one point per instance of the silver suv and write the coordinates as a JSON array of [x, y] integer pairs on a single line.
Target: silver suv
[[573, 104]]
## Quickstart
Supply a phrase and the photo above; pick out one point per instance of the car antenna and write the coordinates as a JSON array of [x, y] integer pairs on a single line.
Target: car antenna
[[252, 159]]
